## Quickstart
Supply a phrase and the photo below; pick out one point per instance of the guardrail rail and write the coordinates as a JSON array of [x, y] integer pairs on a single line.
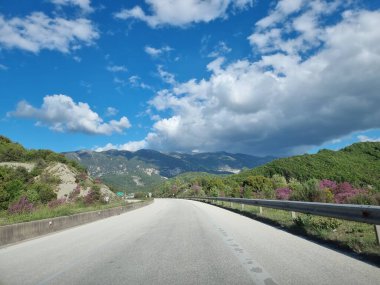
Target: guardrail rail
[[359, 213]]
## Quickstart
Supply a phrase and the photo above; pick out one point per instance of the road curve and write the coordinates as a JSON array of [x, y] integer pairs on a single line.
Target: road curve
[[178, 242]]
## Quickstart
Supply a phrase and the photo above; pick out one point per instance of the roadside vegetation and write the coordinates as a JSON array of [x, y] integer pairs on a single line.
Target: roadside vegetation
[[348, 176], [359, 238], [52, 210], [27, 195]]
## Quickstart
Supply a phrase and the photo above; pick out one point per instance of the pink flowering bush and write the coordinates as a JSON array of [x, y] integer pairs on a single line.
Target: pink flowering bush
[[283, 193], [74, 194], [21, 206], [329, 184], [345, 191], [56, 203]]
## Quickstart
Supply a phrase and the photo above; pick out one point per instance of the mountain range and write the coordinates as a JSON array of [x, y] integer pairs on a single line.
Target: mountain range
[[137, 171]]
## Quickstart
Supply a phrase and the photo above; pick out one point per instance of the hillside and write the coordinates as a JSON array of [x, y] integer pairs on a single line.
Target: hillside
[[140, 170], [41, 176], [350, 175], [358, 164]]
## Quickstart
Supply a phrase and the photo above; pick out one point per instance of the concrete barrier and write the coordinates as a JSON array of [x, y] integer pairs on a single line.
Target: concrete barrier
[[22, 231]]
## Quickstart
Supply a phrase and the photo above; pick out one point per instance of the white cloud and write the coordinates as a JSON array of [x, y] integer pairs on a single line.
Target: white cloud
[[85, 5], [130, 146], [38, 31], [117, 68], [283, 102], [220, 49], [363, 138], [182, 13], [135, 81], [281, 11], [3, 67], [166, 76], [156, 52], [276, 31], [111, 111], [62, 114]]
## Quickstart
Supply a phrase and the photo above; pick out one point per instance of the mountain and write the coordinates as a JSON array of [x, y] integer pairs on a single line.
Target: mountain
[[137, 171], [358, 163]]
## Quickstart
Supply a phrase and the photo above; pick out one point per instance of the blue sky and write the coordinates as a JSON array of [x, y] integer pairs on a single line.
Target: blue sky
[[260, 77]]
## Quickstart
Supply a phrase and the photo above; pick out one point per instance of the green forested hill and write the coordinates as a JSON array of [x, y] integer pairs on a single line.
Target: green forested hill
[[350, 175], [14, 152], [358, 164]]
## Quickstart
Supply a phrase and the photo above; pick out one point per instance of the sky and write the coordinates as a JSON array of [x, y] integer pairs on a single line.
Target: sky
[[258, 77]]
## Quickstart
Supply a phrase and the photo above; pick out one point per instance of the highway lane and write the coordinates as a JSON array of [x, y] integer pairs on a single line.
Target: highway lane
[[178, 242]]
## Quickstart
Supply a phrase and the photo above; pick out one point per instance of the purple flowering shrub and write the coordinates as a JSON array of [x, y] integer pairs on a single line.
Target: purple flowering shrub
[[74, 194], [325, 183], [343, 192], [57, 202], [93, 196], [283, 193], [21, 206]]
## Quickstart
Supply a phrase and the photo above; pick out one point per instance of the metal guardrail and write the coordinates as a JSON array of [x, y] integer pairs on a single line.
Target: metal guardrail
[[358, 213]]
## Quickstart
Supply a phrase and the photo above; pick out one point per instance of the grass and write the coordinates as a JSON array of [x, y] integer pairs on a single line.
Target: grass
[[44, 212], [352, 237]]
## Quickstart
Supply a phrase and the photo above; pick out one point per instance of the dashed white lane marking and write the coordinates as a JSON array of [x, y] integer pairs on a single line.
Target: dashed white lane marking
[[257, 272]]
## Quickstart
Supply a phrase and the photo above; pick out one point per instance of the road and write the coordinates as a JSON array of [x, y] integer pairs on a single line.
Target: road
[[178, 242]]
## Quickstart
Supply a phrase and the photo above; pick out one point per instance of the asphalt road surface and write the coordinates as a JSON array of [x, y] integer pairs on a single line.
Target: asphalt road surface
[[178, 242]]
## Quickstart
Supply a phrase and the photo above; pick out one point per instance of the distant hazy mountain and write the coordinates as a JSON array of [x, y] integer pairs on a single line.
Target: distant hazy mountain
[[135, 171]]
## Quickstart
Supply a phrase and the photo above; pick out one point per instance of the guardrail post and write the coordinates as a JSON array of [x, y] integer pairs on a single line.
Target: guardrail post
[[377, 231], [242, 207], [294, 215], [261, 210], [230, 204]]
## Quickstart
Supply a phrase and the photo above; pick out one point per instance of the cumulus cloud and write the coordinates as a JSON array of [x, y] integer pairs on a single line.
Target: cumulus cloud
[[135, 81], [130, 146], [219, 50], [303, 19], [85, 5], [363, 138], [166, 76], [38, 31], [60, 113], [182, 13], [156, 52], [285, 102]]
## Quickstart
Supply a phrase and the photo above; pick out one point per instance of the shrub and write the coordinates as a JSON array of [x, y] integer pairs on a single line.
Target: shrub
[[56, 203], [32, 195], [363, 199], [283, 193], [140, 195], [344, 191], [325, 195], [93, 196], [74, 194], [279, 181], [4, 199], [317, 223], [307, 191], [45, 192], [325, 183], [21, 206]]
